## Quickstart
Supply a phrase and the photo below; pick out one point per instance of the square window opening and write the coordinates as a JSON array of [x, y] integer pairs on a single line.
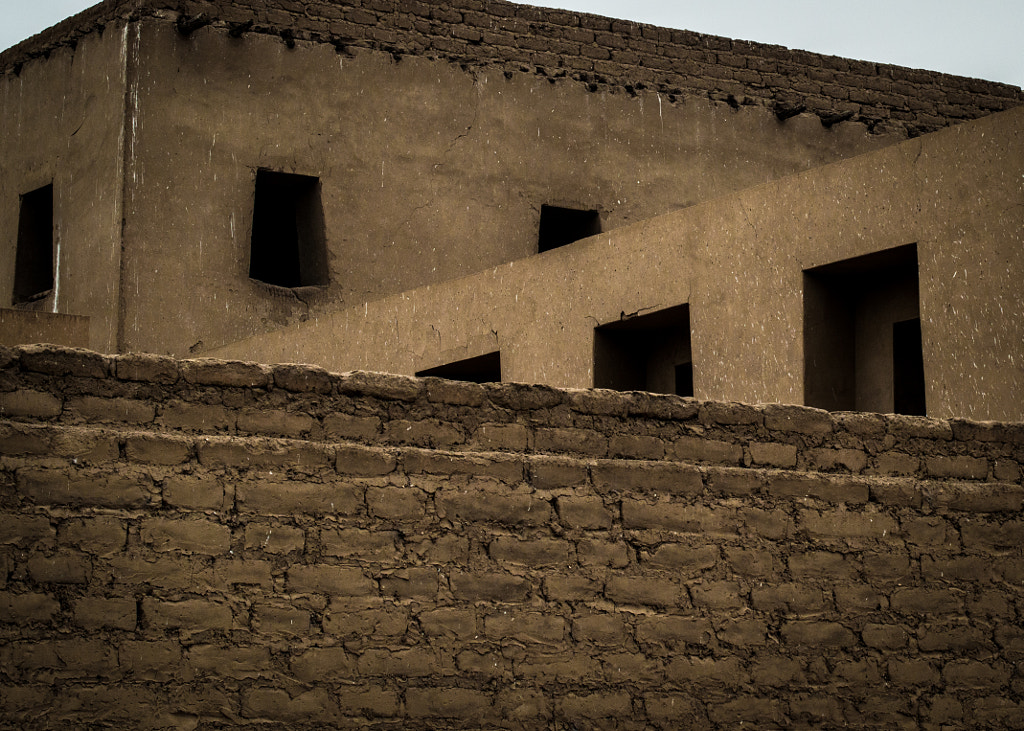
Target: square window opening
[[33, 260], [649, 352], [480, 369], [859, 352], [288, 247], [562, 226]]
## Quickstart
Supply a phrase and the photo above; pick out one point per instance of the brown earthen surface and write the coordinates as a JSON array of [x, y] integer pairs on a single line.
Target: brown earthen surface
[[207, 544]]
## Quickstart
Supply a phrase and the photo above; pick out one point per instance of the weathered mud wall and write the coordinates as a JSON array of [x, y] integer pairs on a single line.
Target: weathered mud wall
[[209, 544]]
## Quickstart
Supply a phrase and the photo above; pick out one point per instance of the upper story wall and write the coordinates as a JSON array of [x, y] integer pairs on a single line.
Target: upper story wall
[[437, 132]]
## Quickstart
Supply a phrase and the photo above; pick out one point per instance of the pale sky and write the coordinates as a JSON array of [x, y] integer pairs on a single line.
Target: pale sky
[[979, 38]]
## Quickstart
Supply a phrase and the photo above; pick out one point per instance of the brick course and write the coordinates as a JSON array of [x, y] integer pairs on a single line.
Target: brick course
[[510, 579]]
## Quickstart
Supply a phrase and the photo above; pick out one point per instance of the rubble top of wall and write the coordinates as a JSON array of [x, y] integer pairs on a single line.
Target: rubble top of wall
[[601, 53]]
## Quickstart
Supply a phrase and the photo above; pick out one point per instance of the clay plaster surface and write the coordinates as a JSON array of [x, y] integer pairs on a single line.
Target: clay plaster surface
[[738, 261]]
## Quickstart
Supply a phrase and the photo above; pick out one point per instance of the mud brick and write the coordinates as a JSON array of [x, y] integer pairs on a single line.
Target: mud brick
[[754, 562], [98, 612], [705, 672], [605, 630], [1006, 470], [636, 477], [548, 473], [817, 634], [772, 454], [412, 583], [367, 701], [571, 441], [302, 378], [919, 427], [29, 404], [128, 411], [18, 439], [231, 662], [295, 497], [788, 597], [887, 568], [28, 608], [461, 393], [798, 419], [372, 545], [961, 467], [927, 601], [896, 463], [276, 539], [195, 417], [192, 614], [584, 512], [774, 524], [150, 661], [166, 572], [911, 672], [280, 455], [501, 467], [502, 437], [842, 525], [318, 664], [346, 426], [776, 672], [213, 372], [602, 553], [995, 711], [987, 431], [60, 361], [71, 657], [186, 536], [730, 414], [571, 588], [327, 579], [959, 638], [717, 595], [489, 586], [427, 433], [146, 367], [679, 518], [482, 506], [363, 461], [637, 591], [26, 530], [281, 620], [852, 460], [524, 705], [449, 622], [975, 498], [60, 568], [976, 674], [596, 706], [854, 598], [530, 627], [314, 706], [660, 406], [458, 703], [984, 535], [675, 711], [824, 487], [636, 446], [821, 564], [158, 449], [416, 662], [194, 492], [900, 493], [700, 449], [684, 559], [396, 503], [275, 423], [56, 487], [541, 552], [735, 482], [366, 618]]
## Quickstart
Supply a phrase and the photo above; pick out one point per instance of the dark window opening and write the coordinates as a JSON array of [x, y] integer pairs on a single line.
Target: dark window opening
[[561, 226], [857, 355], [646, 353], [33, 260], [481, 369], [288, 247], [907, 368]]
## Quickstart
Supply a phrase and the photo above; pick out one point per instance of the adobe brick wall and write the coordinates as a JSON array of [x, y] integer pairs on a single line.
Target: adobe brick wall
[[602, 53], [211, 544]]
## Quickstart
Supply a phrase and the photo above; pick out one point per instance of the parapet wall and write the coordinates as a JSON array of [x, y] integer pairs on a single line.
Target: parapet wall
[[215, 544], [600, 52]]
